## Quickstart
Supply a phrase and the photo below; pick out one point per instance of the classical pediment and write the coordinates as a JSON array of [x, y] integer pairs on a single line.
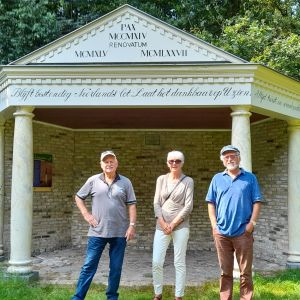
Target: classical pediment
[[127, 35]]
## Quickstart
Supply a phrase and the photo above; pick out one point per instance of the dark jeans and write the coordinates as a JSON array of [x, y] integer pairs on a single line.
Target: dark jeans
[[94, 251], [243, 247]]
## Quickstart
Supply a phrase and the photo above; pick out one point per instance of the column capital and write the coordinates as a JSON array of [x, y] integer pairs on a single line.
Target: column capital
[[240, 110], [293, 124], [24, 111]]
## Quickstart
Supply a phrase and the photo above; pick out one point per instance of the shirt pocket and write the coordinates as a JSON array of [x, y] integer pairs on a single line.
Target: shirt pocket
[[118, 193]]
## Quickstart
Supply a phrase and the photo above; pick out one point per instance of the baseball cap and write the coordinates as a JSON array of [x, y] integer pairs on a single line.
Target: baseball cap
[[229, 148], [107, 153]]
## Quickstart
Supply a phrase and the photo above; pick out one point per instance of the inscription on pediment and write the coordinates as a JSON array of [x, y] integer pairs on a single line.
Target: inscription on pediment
[[129, 37]]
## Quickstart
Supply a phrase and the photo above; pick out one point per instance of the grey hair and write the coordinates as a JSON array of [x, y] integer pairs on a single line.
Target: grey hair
[[175, 154]]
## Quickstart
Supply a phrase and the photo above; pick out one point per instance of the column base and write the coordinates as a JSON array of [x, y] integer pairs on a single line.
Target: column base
[[23, 267], [293, 265], [29, 277]]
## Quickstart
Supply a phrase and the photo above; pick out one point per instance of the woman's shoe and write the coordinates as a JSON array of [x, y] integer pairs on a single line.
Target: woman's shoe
[[157, 297]]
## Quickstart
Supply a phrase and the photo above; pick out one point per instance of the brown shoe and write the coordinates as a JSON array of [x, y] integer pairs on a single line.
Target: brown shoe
[[157, 297]]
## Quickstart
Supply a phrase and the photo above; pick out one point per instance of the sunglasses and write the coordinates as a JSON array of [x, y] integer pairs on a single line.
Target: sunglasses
[[176, 161]]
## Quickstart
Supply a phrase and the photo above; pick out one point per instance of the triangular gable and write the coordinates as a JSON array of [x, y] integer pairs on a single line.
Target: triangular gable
[[127, 35]]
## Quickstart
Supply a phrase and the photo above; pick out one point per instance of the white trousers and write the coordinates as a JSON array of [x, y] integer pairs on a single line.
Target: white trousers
[[160, 245]]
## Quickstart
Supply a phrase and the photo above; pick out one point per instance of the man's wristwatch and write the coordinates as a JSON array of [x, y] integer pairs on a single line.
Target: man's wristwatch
[[253, 222], [132, 224]]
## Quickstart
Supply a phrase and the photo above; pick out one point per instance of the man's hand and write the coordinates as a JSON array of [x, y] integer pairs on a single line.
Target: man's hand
[[90, 219], [86, 215], [130, 233], [249, 227]]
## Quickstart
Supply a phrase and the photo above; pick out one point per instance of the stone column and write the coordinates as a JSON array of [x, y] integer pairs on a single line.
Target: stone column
[[241, 135], [21, 193], [2, 174], [241, 138], [294, 193]]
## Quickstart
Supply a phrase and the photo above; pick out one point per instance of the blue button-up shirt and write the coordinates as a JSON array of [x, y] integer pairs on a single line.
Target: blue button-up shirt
[[233, 200]]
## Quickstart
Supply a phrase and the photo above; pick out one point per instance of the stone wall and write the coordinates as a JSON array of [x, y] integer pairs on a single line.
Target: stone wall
[[142, 157]]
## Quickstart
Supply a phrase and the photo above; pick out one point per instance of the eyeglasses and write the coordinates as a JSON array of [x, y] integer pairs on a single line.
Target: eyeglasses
[[230, 156], [176, 161]]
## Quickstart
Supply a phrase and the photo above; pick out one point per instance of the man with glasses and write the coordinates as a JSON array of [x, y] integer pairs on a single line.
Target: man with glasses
[[111, 195], [234, 202]]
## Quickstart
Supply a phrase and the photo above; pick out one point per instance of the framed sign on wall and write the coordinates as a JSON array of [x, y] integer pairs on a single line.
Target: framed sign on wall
[[42, 172]]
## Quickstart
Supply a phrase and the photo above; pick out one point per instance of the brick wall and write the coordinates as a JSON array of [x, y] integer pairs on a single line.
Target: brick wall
[[142, 155], [270, 164], [8, 153], [143, 163], [51, 210]]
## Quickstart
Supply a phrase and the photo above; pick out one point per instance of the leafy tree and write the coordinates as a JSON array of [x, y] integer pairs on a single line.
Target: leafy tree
[[245, 38], [265, 31], [25, 26], [185, 14], [283, 55], [262, 31]]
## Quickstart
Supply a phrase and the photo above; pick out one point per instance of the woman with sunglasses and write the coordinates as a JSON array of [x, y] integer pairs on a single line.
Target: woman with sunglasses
[[173, 203]]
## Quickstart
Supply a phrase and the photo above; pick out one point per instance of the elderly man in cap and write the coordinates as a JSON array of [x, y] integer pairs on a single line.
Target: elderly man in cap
[[111, 194], [234, 202]]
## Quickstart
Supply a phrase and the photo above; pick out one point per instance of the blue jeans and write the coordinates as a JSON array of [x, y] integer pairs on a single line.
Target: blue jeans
[[94, 251]]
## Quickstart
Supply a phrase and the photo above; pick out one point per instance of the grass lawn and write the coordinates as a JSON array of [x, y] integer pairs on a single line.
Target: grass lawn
[[280, 286]]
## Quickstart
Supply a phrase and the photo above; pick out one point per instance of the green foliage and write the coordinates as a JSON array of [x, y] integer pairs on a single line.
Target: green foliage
[[25, 26], [264, 31], [282, 55], [245, 38]]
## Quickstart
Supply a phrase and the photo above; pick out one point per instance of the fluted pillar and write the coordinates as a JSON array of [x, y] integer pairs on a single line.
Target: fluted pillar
[[241, 135], [2, 174], [294, 194], [21, 193]]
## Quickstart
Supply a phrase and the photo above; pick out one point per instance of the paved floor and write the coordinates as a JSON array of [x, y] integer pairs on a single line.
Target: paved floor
[[63, 267]]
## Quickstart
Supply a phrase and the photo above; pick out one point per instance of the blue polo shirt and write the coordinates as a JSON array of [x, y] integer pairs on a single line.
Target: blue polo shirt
[[233, 200]]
